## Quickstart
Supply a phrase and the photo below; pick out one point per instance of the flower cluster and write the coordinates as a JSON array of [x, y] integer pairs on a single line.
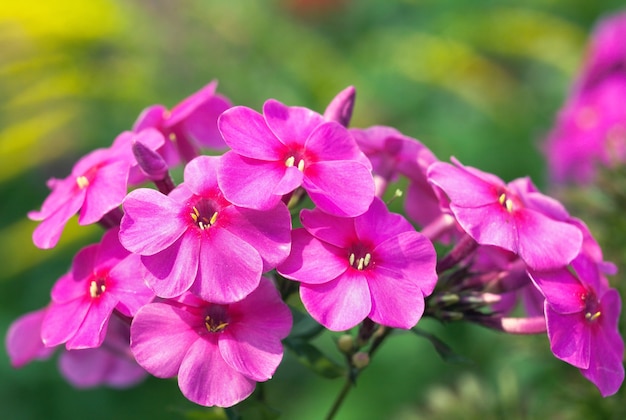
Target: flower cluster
[[191, 279]]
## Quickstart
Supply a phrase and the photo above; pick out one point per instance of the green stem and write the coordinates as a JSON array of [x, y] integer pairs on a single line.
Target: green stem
[[340, 398]]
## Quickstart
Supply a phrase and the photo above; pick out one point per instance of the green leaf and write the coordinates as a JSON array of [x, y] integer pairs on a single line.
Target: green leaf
[[446, 353], [304, 327], [311, 357]]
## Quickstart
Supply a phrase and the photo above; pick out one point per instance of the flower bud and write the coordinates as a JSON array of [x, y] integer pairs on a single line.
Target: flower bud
[[345, 344], [360, 359]]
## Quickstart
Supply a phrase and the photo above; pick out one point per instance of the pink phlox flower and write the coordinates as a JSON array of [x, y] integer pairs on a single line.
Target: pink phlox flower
[[512, 216], [590, 131], [189, 125], [103, 278], [219, 352], [582, 315], [288, 147], [374, 265], [194, 239]]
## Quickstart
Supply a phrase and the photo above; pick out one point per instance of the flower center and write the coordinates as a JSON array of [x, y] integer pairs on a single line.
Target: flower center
[[82, 182], [203, 214], [97, 287], [592, 307], [360, 258], [291, 161], [216, 318], [506, 202]]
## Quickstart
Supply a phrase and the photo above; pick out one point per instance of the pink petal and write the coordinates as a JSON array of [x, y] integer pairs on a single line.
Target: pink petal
[[332, 141], [62, 320], [128, 287], [230, 268], [570, 337], [563, 292], [202, 124], [161, 335], [269, 232], [499, 231], [292, 125], [201, 176], [23, 339], [190, 104], [291, 180], [250, 182], [303, 263], [408, 256], [397, 301], [339, 304], [377, 224], [144, 209], [341, 188], [172, 271], [92, 331], [105, 192], [206, 379], [246, 133], [47, 234], [337, 231], [463, 187], [545, 243]]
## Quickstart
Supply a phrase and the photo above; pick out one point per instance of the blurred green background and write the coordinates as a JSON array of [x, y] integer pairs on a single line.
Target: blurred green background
[[480, 80]]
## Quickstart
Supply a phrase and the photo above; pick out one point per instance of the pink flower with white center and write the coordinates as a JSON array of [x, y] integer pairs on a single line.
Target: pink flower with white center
[[194, 239], [189, 125], [219, 352], [582, 315], [288, 147], [372, 266], [513, 216], [96, 186], [104, 277]]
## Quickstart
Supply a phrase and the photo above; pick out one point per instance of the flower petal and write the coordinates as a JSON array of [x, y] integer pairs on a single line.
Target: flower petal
[[339, 304], [292, 125], [570, 337], [246, 133]]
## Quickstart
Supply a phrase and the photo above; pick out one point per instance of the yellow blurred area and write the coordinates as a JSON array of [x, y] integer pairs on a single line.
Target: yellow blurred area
[[52, 21]]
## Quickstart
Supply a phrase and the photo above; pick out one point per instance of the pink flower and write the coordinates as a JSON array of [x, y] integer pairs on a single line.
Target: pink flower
[[512, 216], [96, 186], [194, 239], [219, 352], [375, 265], [288, 147], [582, 314], [104, 277], [189, 125]]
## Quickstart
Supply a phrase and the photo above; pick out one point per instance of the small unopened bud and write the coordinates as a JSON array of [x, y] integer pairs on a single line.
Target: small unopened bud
[[150, 162], [340, 108], [360, 359], [345, 344]]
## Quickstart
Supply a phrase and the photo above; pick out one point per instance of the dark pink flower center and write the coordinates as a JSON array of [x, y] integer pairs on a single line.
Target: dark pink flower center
[[97, 286], [592, 307], [204, 213], [216, 318], [360, 257]]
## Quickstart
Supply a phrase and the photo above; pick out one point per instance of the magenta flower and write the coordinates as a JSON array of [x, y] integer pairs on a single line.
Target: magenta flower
[[97, 185], [203, 243], [288, 147], [582, 314], [375, 265], [104, 277], [513, 216], [189, 125], [219, 352]]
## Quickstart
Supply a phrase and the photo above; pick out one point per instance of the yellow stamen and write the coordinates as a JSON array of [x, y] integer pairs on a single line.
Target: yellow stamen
[[172, 137], [301, 165], [213, 218], [82, 182], [351, 259], [214, 328], [95, 290], [367, 259], [592, 317], [290, 161], [360, 265]]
